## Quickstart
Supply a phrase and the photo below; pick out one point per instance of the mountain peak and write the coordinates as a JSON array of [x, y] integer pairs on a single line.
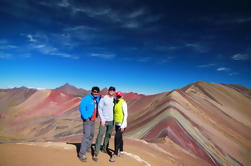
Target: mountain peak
[[72, 90], [66, 85]]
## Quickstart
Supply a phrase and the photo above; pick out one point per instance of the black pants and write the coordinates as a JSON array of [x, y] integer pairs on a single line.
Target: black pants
[[118, 140]]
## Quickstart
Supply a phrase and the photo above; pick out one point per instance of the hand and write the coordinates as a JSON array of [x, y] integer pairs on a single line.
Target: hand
[[102, 123], [122, 129]]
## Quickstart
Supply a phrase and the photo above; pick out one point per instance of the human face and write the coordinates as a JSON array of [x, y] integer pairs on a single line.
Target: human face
[[95, 93], [118, 97], [111, 92]]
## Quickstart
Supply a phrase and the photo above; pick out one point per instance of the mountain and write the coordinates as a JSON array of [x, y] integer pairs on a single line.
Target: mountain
[[200, 124], [210, 120], [13, 97], [241, 89], [72, 90]]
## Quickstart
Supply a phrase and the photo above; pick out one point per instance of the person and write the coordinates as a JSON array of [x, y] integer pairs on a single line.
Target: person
[[88, 109], [105, 110], [120, 120]]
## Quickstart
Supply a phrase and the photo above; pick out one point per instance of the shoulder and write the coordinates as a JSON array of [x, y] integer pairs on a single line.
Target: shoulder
[[123, 100], [104, 98], [124, 103], [86, 97]]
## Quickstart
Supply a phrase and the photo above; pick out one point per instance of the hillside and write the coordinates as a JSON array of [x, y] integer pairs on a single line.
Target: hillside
[[203, 122]]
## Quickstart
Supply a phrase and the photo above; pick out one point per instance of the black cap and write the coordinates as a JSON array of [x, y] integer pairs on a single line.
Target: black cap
[[95, 89], [111, 88]]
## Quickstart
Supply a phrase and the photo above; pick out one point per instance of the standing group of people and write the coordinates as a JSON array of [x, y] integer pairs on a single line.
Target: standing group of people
[[111, 110]]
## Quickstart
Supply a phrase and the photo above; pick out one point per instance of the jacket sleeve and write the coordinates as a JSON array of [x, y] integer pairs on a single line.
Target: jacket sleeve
[[124, 107], [83, 109], [100, 109]]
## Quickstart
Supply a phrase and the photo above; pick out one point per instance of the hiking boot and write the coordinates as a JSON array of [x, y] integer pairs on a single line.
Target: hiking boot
[[95, 157], [82, 158], [120, 154], [113, 158]]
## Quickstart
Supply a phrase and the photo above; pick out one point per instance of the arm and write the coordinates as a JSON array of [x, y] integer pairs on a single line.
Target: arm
[[124, 123], [82, 109], [100, 110]]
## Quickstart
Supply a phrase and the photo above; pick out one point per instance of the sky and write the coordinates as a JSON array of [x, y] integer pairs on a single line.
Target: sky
[[141, 46]]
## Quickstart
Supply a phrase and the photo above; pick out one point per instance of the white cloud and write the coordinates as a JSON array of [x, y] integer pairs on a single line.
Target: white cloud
[[3, 47], [83, 33], [166, 48], [48, 50], [240, 56], [64, 3], [4, 55], [4, 44], [125, 19], [223, 69], [206, 65], [43, 3], [64, 39], [90, 11], [39, 46], [137, 13], [30, 37], [201, 47], [131, 25], [197, 47], [105, 56], [64, 55], [79, 28], [55, 52], [219, 69], [49, 44]]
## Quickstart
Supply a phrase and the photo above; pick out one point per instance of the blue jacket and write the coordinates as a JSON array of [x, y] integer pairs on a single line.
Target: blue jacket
[[86, 107]]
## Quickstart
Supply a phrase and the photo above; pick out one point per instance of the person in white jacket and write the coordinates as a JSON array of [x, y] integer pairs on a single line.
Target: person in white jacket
[[120, 120], [105, 111]]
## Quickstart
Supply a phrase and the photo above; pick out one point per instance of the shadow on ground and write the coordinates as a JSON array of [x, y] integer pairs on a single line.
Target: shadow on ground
[[78, 146]]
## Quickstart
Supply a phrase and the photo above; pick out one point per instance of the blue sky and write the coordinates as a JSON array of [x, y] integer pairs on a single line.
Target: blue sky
[[141, 46]]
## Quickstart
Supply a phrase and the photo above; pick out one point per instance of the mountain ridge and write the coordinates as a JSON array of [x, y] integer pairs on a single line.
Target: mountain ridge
[[206, 120]]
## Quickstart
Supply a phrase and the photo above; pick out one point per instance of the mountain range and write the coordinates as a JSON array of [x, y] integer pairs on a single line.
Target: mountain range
[[199, 124]]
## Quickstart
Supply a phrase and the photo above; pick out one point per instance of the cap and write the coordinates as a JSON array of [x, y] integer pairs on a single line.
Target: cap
[[95, 89], [119, 93], [111, 88]]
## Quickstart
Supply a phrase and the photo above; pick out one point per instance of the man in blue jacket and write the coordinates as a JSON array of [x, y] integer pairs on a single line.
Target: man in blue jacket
[[89, 110]]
